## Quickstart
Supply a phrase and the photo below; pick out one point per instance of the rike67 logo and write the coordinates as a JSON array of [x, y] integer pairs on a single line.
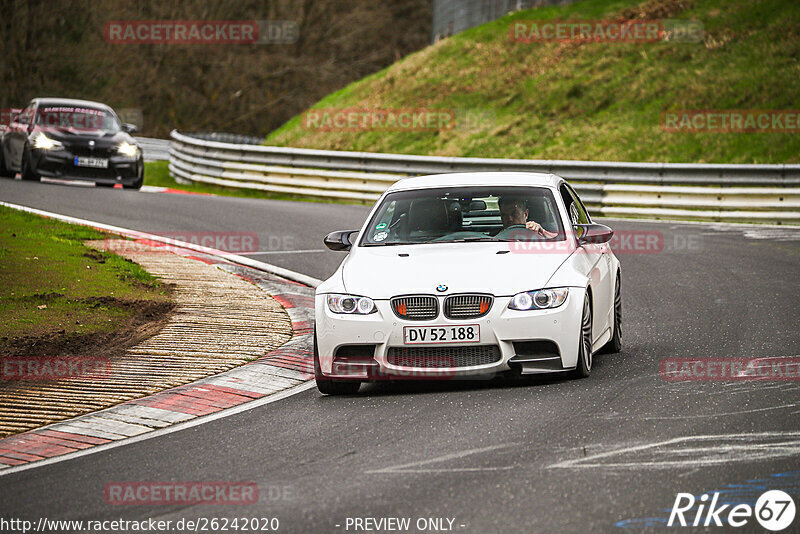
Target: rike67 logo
[[774, 510]]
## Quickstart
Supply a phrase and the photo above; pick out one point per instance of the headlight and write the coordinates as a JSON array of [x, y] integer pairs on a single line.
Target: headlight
[[40, 140], [539, 300], [127, 149], [351, 304]]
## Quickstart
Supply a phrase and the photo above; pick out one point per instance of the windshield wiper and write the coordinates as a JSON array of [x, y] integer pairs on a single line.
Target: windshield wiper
[[391, 244], [468, 239]]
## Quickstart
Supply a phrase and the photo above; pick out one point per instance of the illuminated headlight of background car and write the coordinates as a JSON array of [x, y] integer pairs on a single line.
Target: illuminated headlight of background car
[[127, 149], [351, 304], [41, 141], [542, 299]]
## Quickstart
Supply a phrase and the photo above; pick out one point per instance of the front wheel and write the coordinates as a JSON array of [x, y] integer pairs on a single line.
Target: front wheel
[[139, 181], [614, 344], [327, 386], [584, 367], [27, 171], [4, 170]]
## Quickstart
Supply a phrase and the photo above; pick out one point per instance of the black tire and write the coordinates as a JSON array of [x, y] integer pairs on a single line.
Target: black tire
[[28, 173], [584, 367], [139, 181], [5, 172], [327, 386], [135, 185], [614, 344]]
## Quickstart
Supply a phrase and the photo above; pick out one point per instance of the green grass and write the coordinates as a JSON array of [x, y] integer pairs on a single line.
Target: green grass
[[156, 173], [593, 101], [51, 284]]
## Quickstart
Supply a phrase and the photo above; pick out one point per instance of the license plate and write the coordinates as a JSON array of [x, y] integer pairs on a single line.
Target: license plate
[[459, 333], [97, 163]]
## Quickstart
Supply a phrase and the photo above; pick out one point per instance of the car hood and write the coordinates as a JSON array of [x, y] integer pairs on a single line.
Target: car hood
[[77, 136], [496, 268]]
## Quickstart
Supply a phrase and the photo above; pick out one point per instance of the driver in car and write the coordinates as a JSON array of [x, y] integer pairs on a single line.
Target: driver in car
[[514, 211]]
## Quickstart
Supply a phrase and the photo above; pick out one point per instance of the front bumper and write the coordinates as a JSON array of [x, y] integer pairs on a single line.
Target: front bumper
[[61, 164], [509, 330]]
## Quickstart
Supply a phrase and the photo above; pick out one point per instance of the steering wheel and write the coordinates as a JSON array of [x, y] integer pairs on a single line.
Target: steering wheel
[[513, 229]]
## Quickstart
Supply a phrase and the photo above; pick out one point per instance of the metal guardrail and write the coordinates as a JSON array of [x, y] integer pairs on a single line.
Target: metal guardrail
[[224, 137], [715, 192], [154, 149]]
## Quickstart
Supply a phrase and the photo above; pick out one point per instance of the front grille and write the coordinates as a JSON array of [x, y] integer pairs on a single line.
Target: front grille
[[85, 151], [443, 357], [467, 306], [416, 308]]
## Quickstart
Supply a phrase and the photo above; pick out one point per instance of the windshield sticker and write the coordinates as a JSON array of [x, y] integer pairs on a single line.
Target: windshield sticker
[[381, 226], [380, 236], [71, 117]]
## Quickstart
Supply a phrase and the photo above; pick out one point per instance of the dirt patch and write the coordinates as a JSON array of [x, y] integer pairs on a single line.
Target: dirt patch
[[657, 9], [142, 319], [96, 256]]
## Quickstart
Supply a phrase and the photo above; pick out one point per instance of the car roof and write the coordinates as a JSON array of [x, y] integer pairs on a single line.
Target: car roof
[[529, 179], [69, 102]]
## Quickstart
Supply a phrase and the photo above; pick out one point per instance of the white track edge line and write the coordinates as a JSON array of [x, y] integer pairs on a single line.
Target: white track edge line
[[256, 403]]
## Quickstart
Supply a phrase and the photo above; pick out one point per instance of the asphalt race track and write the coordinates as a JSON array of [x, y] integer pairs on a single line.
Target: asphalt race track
[[544, 455]]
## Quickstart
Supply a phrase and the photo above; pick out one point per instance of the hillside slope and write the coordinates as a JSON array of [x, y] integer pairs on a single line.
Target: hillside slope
[[587, 100]]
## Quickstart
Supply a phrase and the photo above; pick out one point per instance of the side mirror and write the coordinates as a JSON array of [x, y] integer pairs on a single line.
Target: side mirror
[[593, 233], [129, 128], [339, 240]]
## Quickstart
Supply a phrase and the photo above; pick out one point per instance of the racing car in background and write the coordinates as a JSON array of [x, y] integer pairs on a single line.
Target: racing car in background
[[71, 139]]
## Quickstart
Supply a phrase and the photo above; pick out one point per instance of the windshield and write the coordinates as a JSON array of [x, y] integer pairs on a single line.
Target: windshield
[[464, 214], [77, 118]]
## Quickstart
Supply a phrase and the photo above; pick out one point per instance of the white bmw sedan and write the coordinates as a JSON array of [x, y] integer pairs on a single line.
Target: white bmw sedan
[[463, 275]]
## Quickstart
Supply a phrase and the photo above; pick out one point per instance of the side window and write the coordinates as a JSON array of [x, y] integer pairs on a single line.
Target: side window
[[383, 227], [569, 202], [583, 215]]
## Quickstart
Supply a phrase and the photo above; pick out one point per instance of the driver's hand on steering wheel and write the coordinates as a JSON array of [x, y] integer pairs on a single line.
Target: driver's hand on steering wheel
[[536, 227]]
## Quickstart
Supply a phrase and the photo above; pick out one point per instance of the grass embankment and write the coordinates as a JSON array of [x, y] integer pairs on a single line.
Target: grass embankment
[[60, 297], [593, 101]]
